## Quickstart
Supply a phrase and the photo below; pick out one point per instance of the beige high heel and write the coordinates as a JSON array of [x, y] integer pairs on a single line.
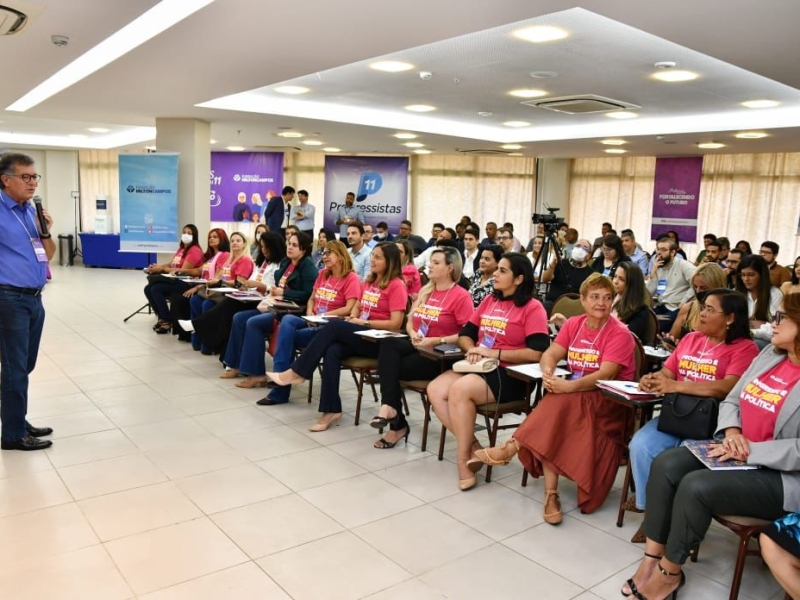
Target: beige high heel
[[499, 455], [326, 421], [292, 379]]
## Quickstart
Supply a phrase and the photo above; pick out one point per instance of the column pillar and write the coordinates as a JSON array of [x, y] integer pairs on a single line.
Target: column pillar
[[552, 185]]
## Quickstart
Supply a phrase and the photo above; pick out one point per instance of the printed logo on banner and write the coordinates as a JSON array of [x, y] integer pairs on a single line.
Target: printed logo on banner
[[242, 183], [370, 183]]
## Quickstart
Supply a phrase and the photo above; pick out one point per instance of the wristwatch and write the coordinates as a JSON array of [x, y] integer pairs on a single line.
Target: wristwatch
[[46, 237], [441, 340]]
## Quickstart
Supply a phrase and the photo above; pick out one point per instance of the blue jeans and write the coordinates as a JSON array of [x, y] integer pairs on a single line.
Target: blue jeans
[[648, 443], [246, 350], [21, 323], [293, 333]]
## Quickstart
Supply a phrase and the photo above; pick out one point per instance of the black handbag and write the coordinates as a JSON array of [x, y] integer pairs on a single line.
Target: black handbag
[[688, 417]]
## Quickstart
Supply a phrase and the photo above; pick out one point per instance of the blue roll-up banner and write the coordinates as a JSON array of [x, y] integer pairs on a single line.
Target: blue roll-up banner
[[380, 184], [148, 202]]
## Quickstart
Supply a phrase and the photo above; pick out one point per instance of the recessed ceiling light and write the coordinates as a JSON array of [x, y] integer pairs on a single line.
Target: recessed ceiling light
[[615, 151], [292, 90], [674, 75], [98, 130], [484, 113], [77, 136], [710, 145], [541, 33], [391, 66], [332, 149], [212, 141], [289, 134], [313, 142], [613, 142], [750, 135], [511, 147], [760, 103], [422, 151], [515, 153], [235, 148], [405, 136], [527, 93], [159, 18], [621, 114], [516, 123], [420, 107], [413, 145], [543, 74]]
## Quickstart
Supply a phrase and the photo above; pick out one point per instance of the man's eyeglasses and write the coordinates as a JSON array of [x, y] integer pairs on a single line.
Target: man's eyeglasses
[[27, 178]]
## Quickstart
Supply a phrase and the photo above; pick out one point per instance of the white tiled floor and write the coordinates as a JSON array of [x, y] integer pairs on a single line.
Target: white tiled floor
[[165, 482]]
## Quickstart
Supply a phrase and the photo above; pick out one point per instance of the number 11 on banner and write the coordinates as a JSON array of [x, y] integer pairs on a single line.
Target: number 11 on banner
[[370, 184]]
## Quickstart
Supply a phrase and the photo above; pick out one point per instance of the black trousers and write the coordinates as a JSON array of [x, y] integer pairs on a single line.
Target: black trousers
[[683, 495], [398, 360], [334, 343], [214, 326]]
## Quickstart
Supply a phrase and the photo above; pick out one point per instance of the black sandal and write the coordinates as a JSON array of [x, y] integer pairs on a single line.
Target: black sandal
[[381, 423], [163, 327], [383, 444], [634, 590]]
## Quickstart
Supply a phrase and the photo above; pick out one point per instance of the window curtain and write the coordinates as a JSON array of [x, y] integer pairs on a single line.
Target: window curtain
[[742, 196], [98, 173]]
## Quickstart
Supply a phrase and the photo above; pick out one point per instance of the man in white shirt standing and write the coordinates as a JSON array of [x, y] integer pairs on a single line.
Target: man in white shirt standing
[[346, 214], [358, 250], [302, 215]]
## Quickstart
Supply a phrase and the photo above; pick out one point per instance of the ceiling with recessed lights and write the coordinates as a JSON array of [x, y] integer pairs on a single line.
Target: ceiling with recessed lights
[[318, 75]]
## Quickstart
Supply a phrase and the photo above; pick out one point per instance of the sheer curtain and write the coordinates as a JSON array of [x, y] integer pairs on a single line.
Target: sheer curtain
[[98, 173], [742, 196]]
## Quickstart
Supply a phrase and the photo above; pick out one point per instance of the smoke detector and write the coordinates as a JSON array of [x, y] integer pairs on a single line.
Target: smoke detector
[[59, 40]]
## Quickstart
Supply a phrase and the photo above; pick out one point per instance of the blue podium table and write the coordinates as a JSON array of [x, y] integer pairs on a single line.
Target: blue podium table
[[102, 250]]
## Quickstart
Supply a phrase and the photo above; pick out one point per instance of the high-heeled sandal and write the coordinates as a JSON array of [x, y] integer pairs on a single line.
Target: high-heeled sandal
[[629, 582], [638, 595], [323, 424], [553, 518], [163, 327], [379, 422], [499, 455], [383, 444]]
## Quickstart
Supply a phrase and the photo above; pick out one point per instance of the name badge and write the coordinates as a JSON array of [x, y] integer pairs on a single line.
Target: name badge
[[661, 286], [38, 249], [364, 315], [423, 329], [488, 341], [576, 375]]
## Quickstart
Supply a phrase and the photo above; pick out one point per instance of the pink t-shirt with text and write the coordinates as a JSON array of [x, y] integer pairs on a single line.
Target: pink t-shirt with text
[[587, 349], [504, 326], [331, 292], [413, 280], [443, 313], [761, 400], [239, 268], [697, 359], [378, 304]]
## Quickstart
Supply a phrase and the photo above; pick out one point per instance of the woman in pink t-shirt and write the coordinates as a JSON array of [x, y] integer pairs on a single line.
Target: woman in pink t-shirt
[[759, 424], [188, 256], [409, 270], [510, 325], [383, 304], [575, 431], [440, 311]]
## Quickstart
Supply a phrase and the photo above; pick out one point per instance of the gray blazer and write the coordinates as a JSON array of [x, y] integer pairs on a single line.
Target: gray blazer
[[783, 452]]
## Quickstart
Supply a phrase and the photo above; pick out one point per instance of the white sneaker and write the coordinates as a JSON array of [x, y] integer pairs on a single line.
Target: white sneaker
[[186, 325]]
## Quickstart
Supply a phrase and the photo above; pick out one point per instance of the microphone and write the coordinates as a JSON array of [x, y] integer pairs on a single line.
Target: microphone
[[40, 215]]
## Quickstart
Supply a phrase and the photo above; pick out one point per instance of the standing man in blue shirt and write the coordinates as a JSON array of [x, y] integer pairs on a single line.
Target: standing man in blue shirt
[[347, 214], [302, 215], [24, 254]]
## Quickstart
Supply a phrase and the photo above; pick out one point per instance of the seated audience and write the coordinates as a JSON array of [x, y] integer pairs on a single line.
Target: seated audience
[[566, 276], [683, 494], [383, 306], [793, 285], [516, 244], [438, 314], [708, 276], [673, 235], [322, 238], [335, 293], [237, 264], [188, 256], [383, 234], [763, 300], [510, 326], [731, 267], [780, 549], [612, 255], [778, 274], [632, 301], [245, 349], [744, 246], [707, 362], [255, 247], [358, 249], [491, 235], [472, 253], [409, 271], [669, 282], [707, 239], [575, 431], [634, 251], [482, 283]]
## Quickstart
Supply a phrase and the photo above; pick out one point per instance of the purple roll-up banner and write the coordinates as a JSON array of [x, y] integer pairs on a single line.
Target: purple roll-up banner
[[242, 183], [676, 197], [380, 184]]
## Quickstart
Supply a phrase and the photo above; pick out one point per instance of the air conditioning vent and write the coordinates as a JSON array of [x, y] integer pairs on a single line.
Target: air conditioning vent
[[483, 152], [11, 20], [278, 148], [578, 105]]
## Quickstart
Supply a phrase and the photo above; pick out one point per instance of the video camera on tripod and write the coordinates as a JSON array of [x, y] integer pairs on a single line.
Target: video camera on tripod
[[550, 221], [551, 249]]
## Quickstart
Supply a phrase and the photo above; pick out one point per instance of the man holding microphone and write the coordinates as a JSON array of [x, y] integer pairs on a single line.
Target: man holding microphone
[[26, 246]]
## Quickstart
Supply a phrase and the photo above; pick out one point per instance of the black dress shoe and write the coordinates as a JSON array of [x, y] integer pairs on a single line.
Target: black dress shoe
[[39, 431], [267, 401], [27, 443]]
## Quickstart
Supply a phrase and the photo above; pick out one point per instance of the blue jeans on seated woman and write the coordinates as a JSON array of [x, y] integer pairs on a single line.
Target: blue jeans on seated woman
[[246, 349], [645, 446], [294, 333]]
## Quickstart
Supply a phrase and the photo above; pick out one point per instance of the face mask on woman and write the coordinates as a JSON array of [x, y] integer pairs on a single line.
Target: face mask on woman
[[186, 238]]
